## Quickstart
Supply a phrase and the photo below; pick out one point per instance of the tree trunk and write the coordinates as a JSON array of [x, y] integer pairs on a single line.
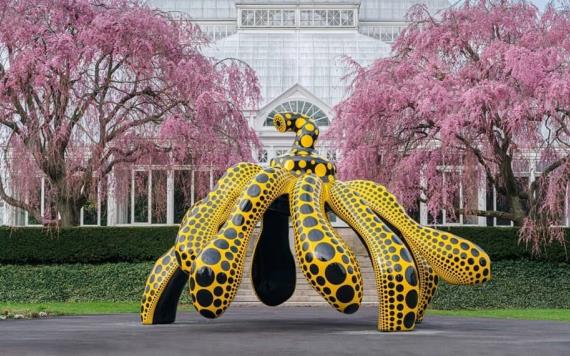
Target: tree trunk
[[69, 212], [518, 210]]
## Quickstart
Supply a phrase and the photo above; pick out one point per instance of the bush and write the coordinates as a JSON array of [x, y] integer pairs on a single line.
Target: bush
[[501, 243], [35, 245], [31, 245], [515, 284]]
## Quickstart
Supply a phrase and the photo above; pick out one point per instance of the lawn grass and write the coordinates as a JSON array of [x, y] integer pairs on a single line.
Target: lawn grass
[[89, 308], [523, 314], [74, 308]]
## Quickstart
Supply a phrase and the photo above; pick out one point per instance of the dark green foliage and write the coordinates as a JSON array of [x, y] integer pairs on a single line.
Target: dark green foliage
[[502, 244], [515, 284], [84, 244], [134, 244]]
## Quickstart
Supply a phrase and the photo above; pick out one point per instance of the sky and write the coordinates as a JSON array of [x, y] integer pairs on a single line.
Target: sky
[[540, 3]]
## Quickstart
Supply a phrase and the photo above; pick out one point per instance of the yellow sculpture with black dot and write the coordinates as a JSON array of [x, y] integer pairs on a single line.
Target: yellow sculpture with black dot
[[212, 242]]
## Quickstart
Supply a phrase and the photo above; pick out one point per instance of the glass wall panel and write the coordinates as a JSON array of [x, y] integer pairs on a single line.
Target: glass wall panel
[[159, 196], [141, 187]]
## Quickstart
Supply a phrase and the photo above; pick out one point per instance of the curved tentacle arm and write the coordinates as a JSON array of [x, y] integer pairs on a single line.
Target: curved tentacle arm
[[428, 283], [455, 259], [327, 262], [305, 128], [162, 291], [203, 220], [373, 193], [216, 272], [396, 275]]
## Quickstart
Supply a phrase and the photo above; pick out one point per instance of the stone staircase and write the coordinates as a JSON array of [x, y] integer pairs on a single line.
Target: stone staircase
[[304, 293]]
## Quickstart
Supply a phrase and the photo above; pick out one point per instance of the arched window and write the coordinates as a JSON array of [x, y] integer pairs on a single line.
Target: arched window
[[301, 107]]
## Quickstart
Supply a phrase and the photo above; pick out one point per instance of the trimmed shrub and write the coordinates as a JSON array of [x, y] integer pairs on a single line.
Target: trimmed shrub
[[34, 245], [501, 243], [515, 284]]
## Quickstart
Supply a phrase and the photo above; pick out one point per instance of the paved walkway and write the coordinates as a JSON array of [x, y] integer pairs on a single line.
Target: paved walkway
[[280, 331]]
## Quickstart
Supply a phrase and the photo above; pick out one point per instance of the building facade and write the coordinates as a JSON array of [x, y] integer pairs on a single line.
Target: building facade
[[299, 49]]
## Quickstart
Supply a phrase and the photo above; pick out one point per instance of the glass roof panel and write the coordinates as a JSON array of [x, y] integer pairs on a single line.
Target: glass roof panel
[[316, 60]]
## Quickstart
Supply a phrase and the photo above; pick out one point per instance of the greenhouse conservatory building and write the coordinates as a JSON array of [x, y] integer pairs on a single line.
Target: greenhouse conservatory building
[[299, 49]]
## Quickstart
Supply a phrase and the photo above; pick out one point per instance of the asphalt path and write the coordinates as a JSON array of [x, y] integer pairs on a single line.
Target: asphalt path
[[280, 331]]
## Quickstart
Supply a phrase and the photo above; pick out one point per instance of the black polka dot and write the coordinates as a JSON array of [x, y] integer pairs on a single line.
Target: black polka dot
[[254, 190], [204, 298], [205, 276], [335, 273], [324, 252], [221, 278], [238, 220], [411, 277], [405, 254], [211, 256], [305, 197], [262, 178], [306, 209], [309, 222], [409, 320], [207, 314], [351, 309], [246, 206], [315, 235], [314, 269], [230, 233], [412, 299], [225, 265], [218, 291], [222, 244], [345, 294]]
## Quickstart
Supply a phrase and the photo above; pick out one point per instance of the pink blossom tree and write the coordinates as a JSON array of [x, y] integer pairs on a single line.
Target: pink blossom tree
[[87, 86], [480, 93]]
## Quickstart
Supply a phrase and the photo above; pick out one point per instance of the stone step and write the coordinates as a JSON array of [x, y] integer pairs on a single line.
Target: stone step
[[304, 292]]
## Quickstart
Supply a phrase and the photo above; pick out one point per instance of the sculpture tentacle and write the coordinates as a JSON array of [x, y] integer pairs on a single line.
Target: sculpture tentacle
[[162, 291], [204, 220], [325, 259], [455, 259], [396, 274], [391, 213], [216, 272]]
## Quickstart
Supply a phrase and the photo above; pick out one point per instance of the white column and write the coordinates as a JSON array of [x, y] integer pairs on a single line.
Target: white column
[[149, 199], [423, 206], [111, 201], [192, 189], [170, 197], [132, 191], [482, 197]]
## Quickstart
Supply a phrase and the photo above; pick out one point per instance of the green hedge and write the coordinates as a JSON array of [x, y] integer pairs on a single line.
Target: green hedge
[[84, 244], [515, 284], [501, 243], [136, 244]]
